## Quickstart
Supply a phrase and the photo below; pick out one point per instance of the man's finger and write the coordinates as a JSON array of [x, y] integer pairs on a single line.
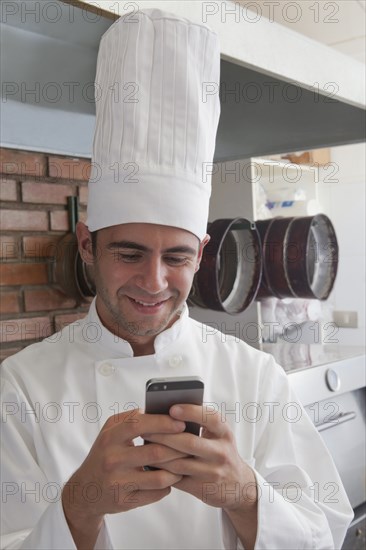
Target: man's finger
[[124, 427], [193, 467], [186, 443], [140, 455], [205, 415]]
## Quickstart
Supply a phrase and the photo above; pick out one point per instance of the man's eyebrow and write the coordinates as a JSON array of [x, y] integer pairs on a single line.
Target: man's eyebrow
[[180, 249], [127, 244]]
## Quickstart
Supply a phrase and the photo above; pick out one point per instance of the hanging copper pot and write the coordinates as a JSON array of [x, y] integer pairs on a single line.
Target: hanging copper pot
[[300, 257], [231, 267], [312, 256], [275, 280], [74, 277]]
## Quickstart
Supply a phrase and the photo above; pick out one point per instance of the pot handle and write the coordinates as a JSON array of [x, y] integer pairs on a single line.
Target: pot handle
[[72, 206]]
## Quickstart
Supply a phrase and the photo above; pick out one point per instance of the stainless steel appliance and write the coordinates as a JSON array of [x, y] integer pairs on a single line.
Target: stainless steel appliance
[[330, 382]]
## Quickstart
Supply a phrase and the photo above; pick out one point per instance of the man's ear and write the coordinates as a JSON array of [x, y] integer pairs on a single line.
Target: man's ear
[[84, 243], [203, 243]]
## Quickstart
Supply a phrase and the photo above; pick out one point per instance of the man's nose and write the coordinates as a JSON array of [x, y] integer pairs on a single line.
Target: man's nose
[[153, 276]]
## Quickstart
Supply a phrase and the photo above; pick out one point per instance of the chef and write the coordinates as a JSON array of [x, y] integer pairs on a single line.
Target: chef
[[73, 419]]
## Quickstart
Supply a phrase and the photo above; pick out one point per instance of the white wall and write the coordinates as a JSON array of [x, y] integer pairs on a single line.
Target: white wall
[[339, 24], [343, 200]]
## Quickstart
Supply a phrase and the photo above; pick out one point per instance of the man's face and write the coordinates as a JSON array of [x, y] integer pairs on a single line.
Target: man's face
[[143, 275]]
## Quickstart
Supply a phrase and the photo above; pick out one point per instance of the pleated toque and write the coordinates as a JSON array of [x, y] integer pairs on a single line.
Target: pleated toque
[[157, 112]]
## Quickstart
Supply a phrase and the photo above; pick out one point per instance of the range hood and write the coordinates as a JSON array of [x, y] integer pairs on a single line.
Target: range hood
[[280, 91]]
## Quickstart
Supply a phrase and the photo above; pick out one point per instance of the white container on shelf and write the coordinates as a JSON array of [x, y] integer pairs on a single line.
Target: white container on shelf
[[287, 189]]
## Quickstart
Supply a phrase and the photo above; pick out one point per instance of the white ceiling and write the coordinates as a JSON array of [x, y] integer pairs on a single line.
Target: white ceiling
[[340, 24]]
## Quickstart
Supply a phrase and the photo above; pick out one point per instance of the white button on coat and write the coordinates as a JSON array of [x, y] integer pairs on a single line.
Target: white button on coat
[[175, 361], [106, 369]]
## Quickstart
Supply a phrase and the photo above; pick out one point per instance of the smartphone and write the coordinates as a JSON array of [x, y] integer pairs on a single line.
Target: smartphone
[[163, 393]]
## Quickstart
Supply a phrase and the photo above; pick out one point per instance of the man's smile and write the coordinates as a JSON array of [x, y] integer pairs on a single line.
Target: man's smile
[[147, 307]]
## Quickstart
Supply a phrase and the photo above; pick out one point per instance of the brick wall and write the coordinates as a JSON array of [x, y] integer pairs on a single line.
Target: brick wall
[[33, 192]]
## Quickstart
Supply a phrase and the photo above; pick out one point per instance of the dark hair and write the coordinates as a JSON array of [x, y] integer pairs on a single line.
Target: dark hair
[[93, 235]]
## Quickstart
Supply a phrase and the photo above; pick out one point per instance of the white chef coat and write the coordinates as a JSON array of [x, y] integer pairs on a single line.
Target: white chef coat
[[57, 395]]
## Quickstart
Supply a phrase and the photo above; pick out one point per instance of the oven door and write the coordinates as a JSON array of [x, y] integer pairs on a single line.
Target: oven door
[[341, 422], [356, 534]]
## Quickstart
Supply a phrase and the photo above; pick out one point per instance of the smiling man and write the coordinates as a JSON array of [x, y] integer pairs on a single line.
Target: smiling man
[[73, 471], [144, 274]]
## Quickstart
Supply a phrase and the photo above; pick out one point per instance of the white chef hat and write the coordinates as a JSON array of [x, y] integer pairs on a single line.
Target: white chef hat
[[157, 112]]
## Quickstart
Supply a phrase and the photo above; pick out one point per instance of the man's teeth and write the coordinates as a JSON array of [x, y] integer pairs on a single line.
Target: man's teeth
[[144, 304]]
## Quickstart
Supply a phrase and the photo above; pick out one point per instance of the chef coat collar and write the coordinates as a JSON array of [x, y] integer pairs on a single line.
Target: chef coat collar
[[118, 347]]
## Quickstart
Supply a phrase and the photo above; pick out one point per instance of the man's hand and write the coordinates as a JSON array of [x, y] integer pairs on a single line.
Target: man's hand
[[215, 472], [112, 479]]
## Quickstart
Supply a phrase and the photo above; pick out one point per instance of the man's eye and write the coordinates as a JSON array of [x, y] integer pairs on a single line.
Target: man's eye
[[174, 260], [127, 257]]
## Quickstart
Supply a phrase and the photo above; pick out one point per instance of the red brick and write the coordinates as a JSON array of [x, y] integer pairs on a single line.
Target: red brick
[[40, 246], [69, 168], [83, 195], [82, 216], [9, 302], [59, 220], [65, 319], [24, 220], [46, 192], [8, 190], [9, 248], [47, 299], [7, 352], [20, 162], [20, 330], [23, 274]]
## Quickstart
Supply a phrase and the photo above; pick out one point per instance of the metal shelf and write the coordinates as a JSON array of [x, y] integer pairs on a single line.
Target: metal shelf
[[290, 92]]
